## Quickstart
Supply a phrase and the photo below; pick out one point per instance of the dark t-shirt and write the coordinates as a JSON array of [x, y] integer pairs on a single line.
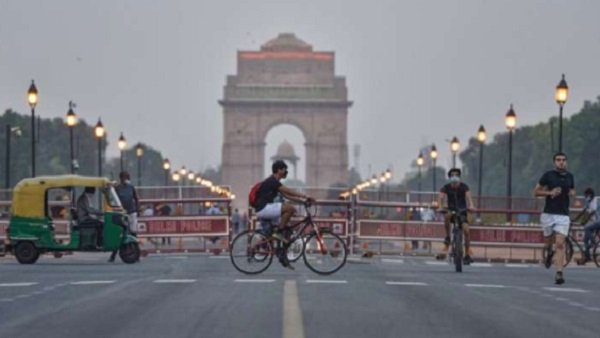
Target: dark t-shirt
[[127, 195], [269, 189], [457, 196], [558, 205]]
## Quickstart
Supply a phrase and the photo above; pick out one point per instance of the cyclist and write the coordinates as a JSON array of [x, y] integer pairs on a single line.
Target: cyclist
[[278, 212], [456, 196], [591, 220], [557, 185]]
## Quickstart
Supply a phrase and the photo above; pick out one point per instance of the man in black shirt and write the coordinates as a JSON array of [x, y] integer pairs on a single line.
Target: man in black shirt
[[454, 196], [277, 212], [557, 186]]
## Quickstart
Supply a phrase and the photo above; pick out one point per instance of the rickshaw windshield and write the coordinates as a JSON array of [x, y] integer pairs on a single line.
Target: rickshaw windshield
[[112, 197]]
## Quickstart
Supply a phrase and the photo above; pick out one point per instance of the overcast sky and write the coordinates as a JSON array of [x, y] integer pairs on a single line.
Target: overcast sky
[[418, 71]]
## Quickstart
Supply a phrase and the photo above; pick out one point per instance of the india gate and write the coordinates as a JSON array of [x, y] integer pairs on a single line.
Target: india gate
[[285, 82]]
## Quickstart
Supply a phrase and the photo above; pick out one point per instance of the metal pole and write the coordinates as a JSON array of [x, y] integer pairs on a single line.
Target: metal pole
[[32, 142], [434, 185], [419, 186], [479, 180], [139, 171], [121, 160], [453, 160], [7, 178], [560, 128], [72, 150], [100, 157], [509, 181], [166, 178]]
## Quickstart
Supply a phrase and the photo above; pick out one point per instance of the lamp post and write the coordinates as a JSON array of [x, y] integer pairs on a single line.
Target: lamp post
[[183, 172], [481, 136], [139, 152], [561, 94], [71, 121], [122, 144], [511, 122], [420, 162], [99, 132], [434, 155], [32, 98], [167, 168], [9, 131], [454, 147]]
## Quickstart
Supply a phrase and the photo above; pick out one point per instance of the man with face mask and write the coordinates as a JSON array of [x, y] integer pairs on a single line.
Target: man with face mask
[[455, 196], [130, 201], [278, 212], [87, 216], [591, 212]]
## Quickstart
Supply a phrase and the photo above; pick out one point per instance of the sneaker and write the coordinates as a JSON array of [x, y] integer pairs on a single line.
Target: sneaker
[[284, 260], [467, 260], [548, 260], [559, 279], [446, 243]]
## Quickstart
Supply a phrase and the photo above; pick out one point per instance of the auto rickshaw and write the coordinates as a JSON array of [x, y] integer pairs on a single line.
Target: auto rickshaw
[[41, 203]]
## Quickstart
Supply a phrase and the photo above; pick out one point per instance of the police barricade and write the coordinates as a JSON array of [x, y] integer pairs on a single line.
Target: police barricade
[[185, 224]]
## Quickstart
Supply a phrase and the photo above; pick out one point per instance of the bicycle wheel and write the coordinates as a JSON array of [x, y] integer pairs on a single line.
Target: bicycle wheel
[[295, 249], [324, 253], [596, 254], [457, 246], [251, 252]]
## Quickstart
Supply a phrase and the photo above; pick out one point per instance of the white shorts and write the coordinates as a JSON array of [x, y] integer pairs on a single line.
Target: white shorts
[[271, 211], [556, 223], [133, 224]]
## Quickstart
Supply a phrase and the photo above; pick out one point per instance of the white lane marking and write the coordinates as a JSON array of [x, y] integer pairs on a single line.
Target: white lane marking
[[566, 290], [218, 257], [325, 281], [22, 296], [396, 261], [292, 314], [495, 286], [353, 259], [561, 299], [595, 309], [436, 263], [92, 282], [407, 283], [575, 304], [166, 281], [482, 265], [508, 265], [17, 284], [6, 300], [177, 257], [254, 280]]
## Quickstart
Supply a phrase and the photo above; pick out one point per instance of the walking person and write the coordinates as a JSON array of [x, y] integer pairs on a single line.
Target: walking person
[[557, 186], [131, 203]]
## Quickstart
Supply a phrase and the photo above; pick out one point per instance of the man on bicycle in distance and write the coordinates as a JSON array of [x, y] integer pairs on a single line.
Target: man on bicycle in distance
[[455, 196], [557, 186], [278, 212], [590, 220]]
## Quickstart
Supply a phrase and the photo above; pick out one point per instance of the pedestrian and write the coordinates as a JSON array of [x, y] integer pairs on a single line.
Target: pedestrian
[[235, 220], [131, 203], [164, 210], [557, 186]]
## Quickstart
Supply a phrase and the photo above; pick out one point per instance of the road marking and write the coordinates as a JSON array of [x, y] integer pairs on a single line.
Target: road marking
[[396, 261], [254, 280], [407, 283], [16, 284], [496, 286], [575, 304], [292, 315], [6, 300], [561, 299], [566, 290], [482, 265], [177, 257], [325, 281], [436, 263], [22, 296], [508, 265], [596, 309], [165, 281], [218, 257], [92, 282]]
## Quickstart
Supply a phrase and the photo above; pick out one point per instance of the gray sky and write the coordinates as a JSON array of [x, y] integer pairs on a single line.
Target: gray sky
[[418, 71]]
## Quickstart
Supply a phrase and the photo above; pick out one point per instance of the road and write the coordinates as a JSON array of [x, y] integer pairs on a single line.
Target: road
[[204, 296]]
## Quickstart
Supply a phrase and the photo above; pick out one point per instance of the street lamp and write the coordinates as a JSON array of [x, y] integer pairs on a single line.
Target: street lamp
[[71, 121], [9, 131], [561, 95], [191, 176], [139, 152], [176, 177], [32, 98], [122, 144], [420, 162], [481, 136], [511, 122], [454, 147], [167, 168], [99, 132], [434, 155]]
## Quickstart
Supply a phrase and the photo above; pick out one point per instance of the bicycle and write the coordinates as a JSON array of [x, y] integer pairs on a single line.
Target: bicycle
[[568, 248], [324, 252], [594, 247], [456, 238]]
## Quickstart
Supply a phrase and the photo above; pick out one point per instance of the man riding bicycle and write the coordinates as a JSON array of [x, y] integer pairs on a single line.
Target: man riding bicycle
[[454, 196], [278, 212]]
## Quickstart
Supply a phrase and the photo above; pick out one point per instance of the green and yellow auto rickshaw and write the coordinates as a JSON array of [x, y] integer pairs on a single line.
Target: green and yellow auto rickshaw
[[41, 204]]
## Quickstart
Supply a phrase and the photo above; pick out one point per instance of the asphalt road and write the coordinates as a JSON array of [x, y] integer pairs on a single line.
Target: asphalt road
[[201, 296]]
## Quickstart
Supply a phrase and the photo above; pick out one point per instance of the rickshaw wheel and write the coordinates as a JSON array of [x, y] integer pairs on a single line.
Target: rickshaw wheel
[[130, 253], [26, 252]]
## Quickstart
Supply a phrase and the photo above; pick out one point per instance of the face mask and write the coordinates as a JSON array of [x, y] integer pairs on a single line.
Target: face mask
[[454, 179], [127, 181]]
